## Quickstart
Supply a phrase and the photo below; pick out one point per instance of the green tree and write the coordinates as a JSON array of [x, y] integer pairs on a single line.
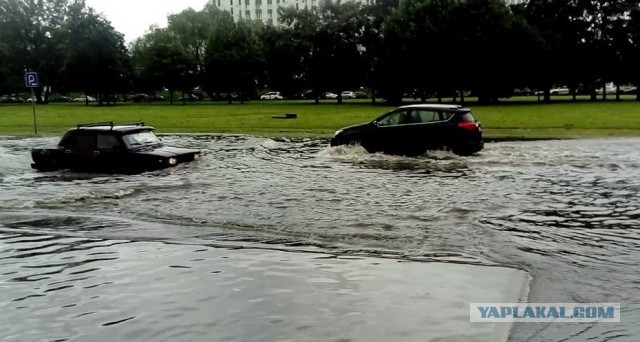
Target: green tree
[[331, 50], [282, 63], [632, 55], [160, 61], [605, 40], [95, 57], [29, 34], [557, 58], [233, 59], [191, 29]]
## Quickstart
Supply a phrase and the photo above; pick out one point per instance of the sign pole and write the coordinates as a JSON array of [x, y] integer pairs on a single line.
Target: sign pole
[[35, 125], [31, 81]]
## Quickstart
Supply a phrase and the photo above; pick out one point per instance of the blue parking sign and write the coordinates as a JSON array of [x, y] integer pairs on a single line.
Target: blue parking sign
[[31, 79]]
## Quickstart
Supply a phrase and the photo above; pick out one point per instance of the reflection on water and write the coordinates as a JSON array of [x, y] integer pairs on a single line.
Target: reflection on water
[[63, 288], [565, 211]]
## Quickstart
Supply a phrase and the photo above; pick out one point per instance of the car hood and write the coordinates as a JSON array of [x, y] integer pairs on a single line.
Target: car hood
[[166, 151], [355, 127]]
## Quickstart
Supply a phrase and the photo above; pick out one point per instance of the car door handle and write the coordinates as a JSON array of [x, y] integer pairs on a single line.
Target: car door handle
[[67, 151], [96, 153]]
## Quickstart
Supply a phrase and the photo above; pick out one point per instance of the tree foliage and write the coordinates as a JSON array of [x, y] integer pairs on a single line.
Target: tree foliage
[[426, 48]]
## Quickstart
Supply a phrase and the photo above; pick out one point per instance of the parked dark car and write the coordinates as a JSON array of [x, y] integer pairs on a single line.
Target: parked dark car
[[412, 130], [138, 98], [105, 147], [361, 95], [11, 99], [61, 99]]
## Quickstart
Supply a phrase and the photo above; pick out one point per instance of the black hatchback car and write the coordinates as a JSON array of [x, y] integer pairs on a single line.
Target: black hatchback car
[[413, 130], [105, 147]]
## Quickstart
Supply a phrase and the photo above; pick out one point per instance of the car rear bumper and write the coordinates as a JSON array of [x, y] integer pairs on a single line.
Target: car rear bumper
[[469, 147]]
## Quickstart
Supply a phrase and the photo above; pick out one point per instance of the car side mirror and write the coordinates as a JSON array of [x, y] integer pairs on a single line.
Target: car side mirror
[[375, 123]]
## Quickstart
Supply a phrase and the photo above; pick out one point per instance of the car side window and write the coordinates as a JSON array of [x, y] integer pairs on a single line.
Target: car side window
[[69, 140], [395, 118], [444, 116], [107, 141], [86, 140], [425, 116]]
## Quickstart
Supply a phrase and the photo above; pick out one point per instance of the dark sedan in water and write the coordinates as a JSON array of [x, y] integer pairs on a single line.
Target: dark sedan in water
[[415, 129], [105, 147]]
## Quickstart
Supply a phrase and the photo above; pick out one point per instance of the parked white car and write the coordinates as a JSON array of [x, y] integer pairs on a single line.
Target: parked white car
[[348, 95], [330, 96], [608, 89], [272, 95], [560, 91], [87, 99]]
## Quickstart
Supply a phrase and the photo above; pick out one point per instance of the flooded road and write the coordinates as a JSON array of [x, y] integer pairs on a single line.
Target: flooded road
[[567, 212]]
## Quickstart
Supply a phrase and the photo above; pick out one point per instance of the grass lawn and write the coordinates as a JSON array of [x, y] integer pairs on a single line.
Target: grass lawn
[[514, 118]]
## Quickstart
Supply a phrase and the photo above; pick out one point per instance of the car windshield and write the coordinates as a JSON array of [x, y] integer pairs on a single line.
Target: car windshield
[[138, 139]]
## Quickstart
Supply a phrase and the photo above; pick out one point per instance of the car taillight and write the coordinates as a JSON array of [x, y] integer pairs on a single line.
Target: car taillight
[[469, 126]]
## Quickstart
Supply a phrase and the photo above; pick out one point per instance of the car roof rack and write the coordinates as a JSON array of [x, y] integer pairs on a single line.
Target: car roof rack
[[109, 123], [139, 123], [94, 124]]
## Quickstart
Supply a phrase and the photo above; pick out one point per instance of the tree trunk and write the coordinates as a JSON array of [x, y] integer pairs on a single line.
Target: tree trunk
[[339, 97], [37, 93], [229, 100], [604, 91], [617, 92], [547, 95], [171, 97], [184, 101], [638, 92], [373, 95], [461, 96]]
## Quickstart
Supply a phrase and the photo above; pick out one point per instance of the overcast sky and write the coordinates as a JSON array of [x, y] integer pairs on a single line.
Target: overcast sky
[[133, 17]]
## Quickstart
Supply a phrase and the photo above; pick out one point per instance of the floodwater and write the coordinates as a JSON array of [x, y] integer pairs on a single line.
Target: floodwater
[[566, 212]]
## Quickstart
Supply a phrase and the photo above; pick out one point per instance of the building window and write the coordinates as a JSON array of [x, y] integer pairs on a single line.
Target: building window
[[231, 10], [268, 2], [258, 2], [247, 14], [270, 13], [218, 3], [297, 7], [258, 14], [270, 21], [246, 3], [231, 2]]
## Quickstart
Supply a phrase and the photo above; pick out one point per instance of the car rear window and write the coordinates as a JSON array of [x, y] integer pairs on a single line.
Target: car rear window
[[467, 117]]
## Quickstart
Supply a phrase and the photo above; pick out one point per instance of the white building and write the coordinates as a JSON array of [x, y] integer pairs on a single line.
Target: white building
[[267, 10]]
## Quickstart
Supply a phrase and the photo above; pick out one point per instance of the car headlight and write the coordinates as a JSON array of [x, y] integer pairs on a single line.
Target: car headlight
[[196, 156], [173, 161]]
